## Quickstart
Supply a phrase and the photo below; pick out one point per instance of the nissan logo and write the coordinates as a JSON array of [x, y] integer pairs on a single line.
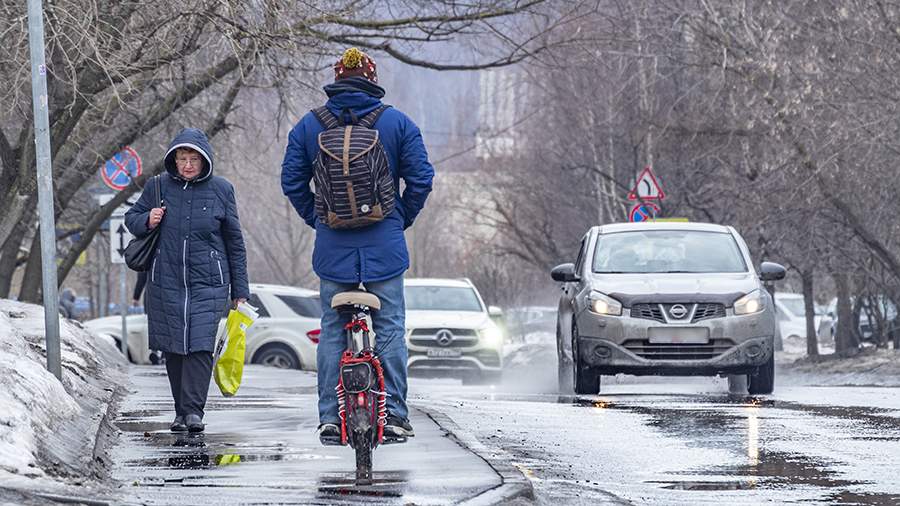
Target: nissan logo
[[444, 337], [678, 311]]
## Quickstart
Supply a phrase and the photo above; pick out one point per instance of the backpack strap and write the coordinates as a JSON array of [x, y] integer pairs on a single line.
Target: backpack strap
[[369, 120], [326, 118]]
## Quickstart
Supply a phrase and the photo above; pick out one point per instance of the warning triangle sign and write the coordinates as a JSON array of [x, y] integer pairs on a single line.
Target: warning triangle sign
[[647, 187]]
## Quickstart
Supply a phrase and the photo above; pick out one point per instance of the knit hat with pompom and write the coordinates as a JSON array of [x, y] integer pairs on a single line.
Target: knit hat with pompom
[[355, 63]]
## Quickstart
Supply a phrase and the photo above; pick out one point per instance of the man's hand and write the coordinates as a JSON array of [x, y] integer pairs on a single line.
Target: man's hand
[[238, 301], [156, 216]]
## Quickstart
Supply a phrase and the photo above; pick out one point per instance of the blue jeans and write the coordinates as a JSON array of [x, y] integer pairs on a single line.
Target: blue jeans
[[390, 345]]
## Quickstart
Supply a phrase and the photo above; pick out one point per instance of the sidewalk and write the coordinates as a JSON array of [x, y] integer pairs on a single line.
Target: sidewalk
[[260, 448]]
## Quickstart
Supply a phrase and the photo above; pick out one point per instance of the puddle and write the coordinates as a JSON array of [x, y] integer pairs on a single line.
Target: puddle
[[706, 485], [860, 498], [383, 484]]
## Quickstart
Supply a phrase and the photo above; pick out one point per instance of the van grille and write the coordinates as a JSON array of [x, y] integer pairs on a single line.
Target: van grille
[[664, 351]]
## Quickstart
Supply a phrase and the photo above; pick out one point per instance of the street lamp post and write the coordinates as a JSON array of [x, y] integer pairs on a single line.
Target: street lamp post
[[45, 184]]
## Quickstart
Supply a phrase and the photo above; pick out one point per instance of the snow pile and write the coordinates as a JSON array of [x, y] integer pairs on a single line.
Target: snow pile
[[44, 424], [870, 367]]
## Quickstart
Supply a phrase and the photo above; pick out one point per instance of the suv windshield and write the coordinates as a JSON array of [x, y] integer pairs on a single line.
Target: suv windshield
[[663, 251], [441, 298]]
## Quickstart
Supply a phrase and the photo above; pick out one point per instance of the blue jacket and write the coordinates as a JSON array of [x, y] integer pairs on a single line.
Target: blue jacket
[[201, 253], [377, 252]]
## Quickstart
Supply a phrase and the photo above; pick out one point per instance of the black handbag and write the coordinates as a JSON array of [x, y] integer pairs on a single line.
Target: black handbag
[[140, 250]]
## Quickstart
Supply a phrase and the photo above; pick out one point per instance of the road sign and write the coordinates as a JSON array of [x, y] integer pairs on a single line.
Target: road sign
[[643, 212], [119, 170], [647, 187], [118, 235]]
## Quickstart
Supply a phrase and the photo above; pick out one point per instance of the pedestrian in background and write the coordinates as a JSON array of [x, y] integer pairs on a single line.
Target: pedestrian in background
[[199, 267]]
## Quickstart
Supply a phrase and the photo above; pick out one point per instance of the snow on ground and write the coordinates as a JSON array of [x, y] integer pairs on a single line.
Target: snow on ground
[[45, 424]]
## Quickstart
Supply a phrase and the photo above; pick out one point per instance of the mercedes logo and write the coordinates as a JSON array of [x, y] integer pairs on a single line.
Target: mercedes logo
[[678, 311], [444, 337]]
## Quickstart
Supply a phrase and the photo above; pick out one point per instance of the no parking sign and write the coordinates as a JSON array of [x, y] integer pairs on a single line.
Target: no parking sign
[[119, 170]]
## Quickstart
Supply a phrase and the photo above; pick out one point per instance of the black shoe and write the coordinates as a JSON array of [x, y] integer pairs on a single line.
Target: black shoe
[[194, 423], [396, 427], [178, 425], [329, 434]]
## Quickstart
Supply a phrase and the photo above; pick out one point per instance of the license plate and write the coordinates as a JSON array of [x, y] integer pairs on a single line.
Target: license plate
[[444, 353], [678, 335]]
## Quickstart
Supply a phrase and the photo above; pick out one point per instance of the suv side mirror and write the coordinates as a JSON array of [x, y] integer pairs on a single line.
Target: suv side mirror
[[564, 273], [494, 311], [770, 271]]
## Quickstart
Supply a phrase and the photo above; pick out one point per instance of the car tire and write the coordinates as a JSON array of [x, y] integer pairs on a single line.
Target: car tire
[[585, 380], [763, 382], [564, 376], [277, 355]]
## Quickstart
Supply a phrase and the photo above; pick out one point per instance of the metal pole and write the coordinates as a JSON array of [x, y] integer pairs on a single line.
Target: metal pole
[[123, 297], [45, 183], [104, 283]]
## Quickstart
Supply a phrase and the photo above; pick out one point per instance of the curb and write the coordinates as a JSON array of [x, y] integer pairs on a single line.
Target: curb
[[514, 486]]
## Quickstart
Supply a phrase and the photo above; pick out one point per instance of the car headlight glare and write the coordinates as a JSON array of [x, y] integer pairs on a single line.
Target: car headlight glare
[[749, 304], [491, 337], [604, 304]]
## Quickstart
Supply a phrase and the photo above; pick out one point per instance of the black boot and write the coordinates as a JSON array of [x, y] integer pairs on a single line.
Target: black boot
[[194, 423], [178, 425]]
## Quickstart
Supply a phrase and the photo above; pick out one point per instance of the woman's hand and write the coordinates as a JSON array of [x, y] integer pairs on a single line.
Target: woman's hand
[[156, 216], [238, 301]]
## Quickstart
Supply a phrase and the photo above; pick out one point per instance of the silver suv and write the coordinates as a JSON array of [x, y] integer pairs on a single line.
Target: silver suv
[[665, 299]]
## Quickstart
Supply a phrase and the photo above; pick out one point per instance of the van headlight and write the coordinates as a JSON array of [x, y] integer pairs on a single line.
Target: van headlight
[[604, 304], [749, 304], [492, 337]]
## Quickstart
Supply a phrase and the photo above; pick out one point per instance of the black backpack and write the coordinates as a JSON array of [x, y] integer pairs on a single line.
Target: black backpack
[[354, 185]]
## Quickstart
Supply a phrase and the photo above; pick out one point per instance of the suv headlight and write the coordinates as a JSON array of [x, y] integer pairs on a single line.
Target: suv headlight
[[604, 304], [749, 304], [491, 337]]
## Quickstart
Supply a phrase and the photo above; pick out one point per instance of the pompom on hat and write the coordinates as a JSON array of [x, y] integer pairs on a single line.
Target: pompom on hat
[[355, 63]]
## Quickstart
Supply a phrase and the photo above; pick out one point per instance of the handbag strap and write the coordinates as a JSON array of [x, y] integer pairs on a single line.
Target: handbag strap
[[159, 191]]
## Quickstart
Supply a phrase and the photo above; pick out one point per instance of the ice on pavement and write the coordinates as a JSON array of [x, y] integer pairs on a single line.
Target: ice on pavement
[[34, 406]]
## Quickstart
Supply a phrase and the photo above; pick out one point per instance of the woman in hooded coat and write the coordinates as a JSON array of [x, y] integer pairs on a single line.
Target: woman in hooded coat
[[199, 266]]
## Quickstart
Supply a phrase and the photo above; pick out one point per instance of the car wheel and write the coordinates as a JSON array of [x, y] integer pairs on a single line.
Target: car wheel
[[277, 355], [563, 369], [763, 382], [586, 381]]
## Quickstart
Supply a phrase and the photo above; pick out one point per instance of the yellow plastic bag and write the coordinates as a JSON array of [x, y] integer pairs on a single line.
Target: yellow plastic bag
[[230, 350]]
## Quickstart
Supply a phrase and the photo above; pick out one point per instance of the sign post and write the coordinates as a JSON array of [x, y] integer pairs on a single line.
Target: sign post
[[44, 184], [118, 239]]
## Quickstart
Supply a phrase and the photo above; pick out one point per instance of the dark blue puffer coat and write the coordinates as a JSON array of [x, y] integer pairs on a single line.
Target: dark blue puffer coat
[[377, 252], [201, 252]]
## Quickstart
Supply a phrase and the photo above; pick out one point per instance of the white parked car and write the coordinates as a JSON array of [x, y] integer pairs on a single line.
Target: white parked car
[[792, 315], [450, 333], [285, 335]]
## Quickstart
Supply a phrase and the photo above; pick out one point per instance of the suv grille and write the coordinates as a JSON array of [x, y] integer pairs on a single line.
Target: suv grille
[[462, 338], [657, 351], [709, 310], [648, 312], [703, 311]]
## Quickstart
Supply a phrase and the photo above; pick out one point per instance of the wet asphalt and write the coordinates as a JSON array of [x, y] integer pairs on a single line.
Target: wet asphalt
[[678, 441], [260, 447], [684, 441]]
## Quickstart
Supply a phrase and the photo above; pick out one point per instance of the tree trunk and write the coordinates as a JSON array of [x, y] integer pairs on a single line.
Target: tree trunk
[[845, 339], [31, 282], [812, 341], [9, 257]]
